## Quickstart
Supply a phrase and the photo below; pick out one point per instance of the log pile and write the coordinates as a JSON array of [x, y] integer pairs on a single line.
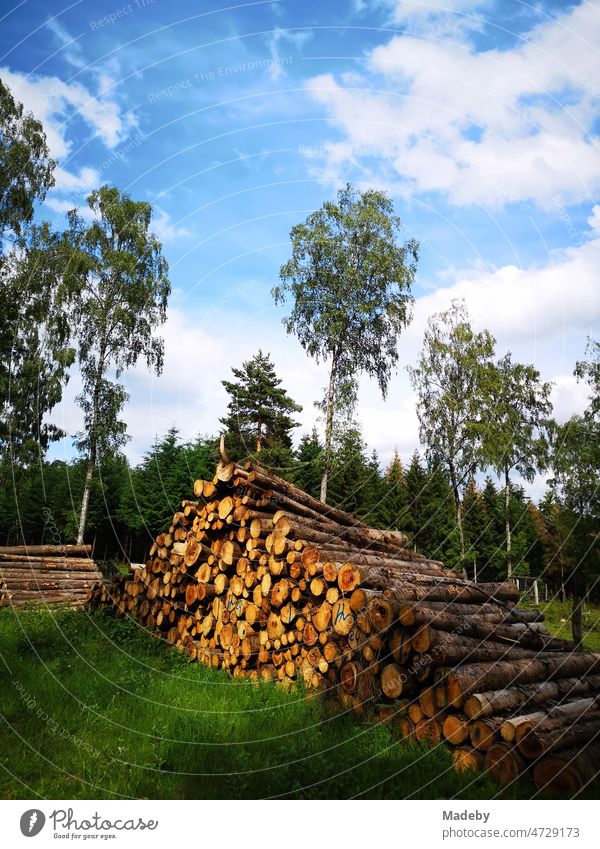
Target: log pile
[[258, 578], [48, 574]]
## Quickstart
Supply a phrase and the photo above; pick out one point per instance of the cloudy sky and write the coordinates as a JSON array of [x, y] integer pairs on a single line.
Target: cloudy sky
[[480, 119]]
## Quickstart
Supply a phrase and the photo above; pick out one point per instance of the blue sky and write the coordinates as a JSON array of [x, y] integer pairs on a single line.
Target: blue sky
[[479, 118]]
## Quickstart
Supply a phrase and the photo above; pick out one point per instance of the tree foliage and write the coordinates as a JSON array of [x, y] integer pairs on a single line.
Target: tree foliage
[[451, 380], [114, 291], [259, 414], [26, 170], [34, 357], [516, 428], [350, 281]]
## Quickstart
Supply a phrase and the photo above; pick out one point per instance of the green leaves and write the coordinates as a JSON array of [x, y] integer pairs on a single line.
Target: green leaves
[[349, 280], [450, 381], [350, 283], [516, 419], [26, 171], [259, 412]]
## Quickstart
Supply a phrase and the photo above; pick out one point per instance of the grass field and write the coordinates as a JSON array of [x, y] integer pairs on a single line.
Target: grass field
[[95, 708], [558, 622]]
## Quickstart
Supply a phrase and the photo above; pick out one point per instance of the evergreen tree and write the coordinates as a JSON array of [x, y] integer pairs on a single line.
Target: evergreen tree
[[349, 471], [493, 547], [394, 508], [439, 537], [308, 466], [373, 493], [476, 518], [259, 417], [416, 480]]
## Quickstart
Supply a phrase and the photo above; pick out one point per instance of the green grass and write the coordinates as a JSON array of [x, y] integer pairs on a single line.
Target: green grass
[[558, 622], [95, 708]]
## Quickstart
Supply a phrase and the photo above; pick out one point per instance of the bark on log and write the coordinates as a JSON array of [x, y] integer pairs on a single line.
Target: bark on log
[[477, 677], [47, 550], [500, 701]]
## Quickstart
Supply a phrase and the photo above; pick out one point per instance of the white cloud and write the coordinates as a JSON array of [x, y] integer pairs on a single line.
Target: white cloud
[[62, 205], [71, 181], [164, 228], [295, 38], [56, 103], [71, 49], [488, 127]]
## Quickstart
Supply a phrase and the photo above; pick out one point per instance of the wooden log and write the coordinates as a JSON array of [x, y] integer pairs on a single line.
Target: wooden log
[[474, 627], [428, 731], [447, 649], [572, 733], [393, 680], [467, 759], [517, 727], [364, 540], [456, 729], [568, 772], [483, 733], [48, 550], [265, 478], [499, 701], [453, 591], [504, 763], [477, 677], [425, 614]]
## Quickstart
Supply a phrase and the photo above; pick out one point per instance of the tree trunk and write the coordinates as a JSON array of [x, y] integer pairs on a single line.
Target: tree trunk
[[507, 523], [458, 508], [329, 426], [86, 496], [576, 617]]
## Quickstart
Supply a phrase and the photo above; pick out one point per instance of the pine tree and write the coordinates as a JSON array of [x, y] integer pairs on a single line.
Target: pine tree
[[494, 556], [439, 535], [308, 468], [416, 480], [373, 493], [349, 471], [259, 412], [476, 528], [394, 512]]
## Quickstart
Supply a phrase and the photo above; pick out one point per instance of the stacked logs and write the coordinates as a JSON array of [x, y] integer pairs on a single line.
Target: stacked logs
[[256, 577], [48, 574]]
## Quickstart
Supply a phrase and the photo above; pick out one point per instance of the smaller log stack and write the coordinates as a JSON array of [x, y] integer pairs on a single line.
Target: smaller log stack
[[259, 578], [47, 574]]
